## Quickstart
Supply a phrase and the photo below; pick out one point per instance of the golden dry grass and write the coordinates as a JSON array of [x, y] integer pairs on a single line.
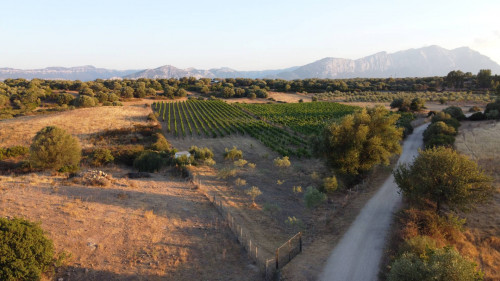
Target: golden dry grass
[[79, 122], [154, 229], [480, 141]]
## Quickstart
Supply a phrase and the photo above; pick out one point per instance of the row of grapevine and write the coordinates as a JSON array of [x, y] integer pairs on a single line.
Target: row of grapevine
[[219, 119], [305, 118]]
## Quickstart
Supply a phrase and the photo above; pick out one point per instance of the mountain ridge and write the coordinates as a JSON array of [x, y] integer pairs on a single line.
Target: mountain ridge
[[416, 62]]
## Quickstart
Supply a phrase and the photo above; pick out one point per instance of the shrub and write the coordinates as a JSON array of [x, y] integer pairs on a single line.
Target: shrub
[[240, 182], [25, 252], [330, 184], [446, 118], [126, 154], [152, 117], [313, 197], [441, 264], [201, 153], [493, 106], [455, 112], [54, 148], [209, 162], [478, 116], [64, 98], [475, 109], [102, 156], [253, 192], [225, 173], [493, 114], [251, 165], [161, 143], [419, 245], [240, 163], [184, 160], [294, 223], [14, 151], [84, 101], [233, 154], [282, 163], [297, 189], [438, 128], [149, 161]]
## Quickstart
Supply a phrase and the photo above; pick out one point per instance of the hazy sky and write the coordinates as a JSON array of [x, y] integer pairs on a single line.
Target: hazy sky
[[246, 35]]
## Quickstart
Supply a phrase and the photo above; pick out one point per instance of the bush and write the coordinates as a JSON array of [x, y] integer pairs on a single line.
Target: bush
[[442, 264], [150, 161], [226, 173], [152, 117], [330, 184], [475, 109], [54, 148], [419, 245], [233, 154], [478, 116], [253, 192], [438, 128], [455, 112], [493, 114], [161, 143], [492, 110], [84, 101], [64, 98], [313, 197], [240, 163], [102, 156], [446, 118], [127, 154], [25, 252], [201, 153], [14, 151], [282, 163]]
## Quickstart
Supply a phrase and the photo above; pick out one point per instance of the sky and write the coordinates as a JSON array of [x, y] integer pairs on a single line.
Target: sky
[[244, 35]]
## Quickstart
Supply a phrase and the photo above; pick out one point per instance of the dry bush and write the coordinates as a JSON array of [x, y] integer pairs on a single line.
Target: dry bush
[[225, 173]]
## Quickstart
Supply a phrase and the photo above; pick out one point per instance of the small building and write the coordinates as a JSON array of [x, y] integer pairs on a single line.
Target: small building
[[181, 153]]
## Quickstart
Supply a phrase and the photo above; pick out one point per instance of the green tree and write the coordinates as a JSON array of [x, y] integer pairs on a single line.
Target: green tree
[[362, 140], [484, 78], [54, 148], [25, 252], [443, 176]]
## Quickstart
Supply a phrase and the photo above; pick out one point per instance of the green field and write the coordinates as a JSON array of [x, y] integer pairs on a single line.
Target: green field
[[305, 118]]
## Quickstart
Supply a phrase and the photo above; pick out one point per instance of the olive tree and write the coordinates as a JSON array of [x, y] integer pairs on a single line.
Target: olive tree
[[443, 176], [54, 148], [362, 140]]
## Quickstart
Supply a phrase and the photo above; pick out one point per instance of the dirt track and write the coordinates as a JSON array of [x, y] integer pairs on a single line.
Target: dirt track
[[357, 256]]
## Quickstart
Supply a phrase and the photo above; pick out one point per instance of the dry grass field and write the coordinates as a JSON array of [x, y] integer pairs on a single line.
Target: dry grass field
[[158, 228], [481, 141], [79, 122], [153, 229]]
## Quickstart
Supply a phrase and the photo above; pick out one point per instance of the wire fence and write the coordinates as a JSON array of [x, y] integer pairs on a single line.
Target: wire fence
[[269, 266]]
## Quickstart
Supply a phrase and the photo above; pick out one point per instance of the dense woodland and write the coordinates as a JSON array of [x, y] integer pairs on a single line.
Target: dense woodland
[[21, 96]]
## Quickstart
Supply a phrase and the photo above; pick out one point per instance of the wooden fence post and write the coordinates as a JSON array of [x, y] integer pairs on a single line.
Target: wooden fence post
[[300, 242], [277, 258]]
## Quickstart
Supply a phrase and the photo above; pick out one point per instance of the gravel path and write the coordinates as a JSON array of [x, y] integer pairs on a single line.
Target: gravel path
[[357, 256]]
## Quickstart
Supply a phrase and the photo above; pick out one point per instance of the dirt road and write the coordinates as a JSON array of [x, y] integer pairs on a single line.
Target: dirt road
[[357, 256]]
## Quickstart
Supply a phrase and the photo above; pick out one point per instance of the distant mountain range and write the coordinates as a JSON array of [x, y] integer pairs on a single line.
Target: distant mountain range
[[84, 73], [422, 62]]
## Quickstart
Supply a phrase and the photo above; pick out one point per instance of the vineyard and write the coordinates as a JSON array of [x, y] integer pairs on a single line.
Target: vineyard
[[305, 118], [194, 118]]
